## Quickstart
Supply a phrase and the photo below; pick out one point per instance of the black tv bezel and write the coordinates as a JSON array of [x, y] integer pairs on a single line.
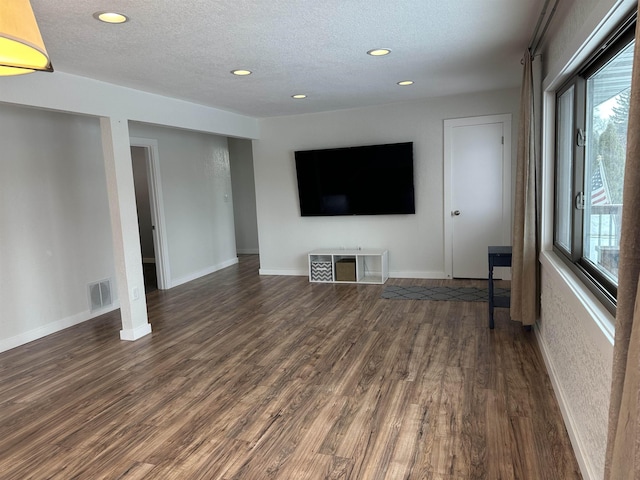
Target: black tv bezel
[[357, 156]]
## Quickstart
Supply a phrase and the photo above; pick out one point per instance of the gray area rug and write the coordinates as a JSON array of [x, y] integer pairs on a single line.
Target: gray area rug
[[460, 294]]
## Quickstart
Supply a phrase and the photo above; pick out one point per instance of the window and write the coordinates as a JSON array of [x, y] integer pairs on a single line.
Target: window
[[564, 168], [592, 112]]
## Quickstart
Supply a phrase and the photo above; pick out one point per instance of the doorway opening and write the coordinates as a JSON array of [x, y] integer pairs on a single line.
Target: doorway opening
[[145, 224], [144, 158]]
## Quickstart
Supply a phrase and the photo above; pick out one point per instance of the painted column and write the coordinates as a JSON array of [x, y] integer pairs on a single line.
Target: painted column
[[124, 226]]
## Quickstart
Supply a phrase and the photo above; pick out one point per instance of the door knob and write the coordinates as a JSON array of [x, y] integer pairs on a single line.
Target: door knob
[[455, 213]]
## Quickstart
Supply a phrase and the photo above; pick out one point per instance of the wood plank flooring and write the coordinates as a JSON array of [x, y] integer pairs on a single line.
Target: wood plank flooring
[[249, 377]]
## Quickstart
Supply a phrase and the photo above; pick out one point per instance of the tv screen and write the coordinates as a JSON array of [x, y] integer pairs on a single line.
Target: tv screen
[[367, 180]]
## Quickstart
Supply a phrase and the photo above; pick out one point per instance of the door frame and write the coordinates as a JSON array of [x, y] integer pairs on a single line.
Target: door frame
[[156, 203], [449, 125]]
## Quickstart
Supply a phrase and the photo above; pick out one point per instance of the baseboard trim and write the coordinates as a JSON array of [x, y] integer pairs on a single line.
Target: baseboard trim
[[247, 251], [424, 275], [305, 273], [202, 273], [135, 333], [52, 327], [291, 273], [586, 468]]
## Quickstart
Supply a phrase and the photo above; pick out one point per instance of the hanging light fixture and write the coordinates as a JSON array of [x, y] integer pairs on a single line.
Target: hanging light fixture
[[21, 47]]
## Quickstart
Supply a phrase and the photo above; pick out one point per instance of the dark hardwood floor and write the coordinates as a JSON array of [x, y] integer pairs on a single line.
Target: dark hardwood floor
[[249, 377]]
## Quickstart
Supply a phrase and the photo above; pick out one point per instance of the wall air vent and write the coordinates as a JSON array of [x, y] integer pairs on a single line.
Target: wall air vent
[[100, 295]]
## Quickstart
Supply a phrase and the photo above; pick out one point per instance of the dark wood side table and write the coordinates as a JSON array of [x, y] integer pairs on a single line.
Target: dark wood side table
[[498, 257]]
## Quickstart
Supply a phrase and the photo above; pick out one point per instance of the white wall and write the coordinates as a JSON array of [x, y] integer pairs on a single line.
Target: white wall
[[92, 99], [55, 231], [198, 206], [244, 195], [415, 242], [578, 348], [55, 234], [575, 332]]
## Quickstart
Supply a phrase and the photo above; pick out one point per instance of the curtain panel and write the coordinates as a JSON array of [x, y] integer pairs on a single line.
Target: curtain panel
[[524, 264], [623, 443]]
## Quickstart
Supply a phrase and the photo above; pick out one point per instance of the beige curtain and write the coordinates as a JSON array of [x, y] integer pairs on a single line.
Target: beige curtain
[[623, 446], [524, 263]]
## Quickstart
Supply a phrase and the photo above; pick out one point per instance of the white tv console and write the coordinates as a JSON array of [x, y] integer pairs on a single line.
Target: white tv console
[[371, 265]]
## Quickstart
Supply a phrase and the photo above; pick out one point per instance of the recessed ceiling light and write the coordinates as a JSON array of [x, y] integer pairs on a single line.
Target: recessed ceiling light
[[299, 96], [405, 82], [378, 52], [241, 72], [110, 17]]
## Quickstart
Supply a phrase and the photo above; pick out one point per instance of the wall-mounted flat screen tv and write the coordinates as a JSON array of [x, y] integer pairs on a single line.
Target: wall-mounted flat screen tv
[[366, 180]]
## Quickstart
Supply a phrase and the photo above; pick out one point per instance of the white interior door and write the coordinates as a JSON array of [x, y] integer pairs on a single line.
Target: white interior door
[[478, 189]]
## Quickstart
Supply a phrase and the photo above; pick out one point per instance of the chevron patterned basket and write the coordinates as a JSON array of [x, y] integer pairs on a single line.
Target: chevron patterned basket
[[321, 271]]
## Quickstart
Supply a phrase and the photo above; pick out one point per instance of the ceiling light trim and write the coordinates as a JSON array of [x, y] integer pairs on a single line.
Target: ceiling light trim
[[379, 52], [112, 18]]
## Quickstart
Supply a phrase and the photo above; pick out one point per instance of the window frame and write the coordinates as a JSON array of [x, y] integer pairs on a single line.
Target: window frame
[[598, 282]]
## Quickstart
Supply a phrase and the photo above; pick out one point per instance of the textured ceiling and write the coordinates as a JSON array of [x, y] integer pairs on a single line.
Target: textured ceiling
[[186, 49]]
